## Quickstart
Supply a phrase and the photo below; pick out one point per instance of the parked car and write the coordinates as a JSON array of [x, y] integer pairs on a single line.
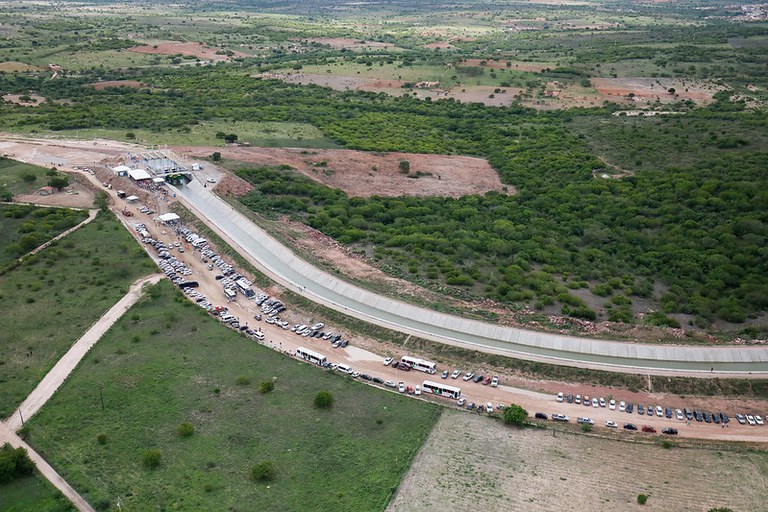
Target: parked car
[[390, 384], [489, 407], [585, 421], [560, 397], [669, 431], [487, 381], [595, 403], [540, 416], [629, 426], [477, 378], [444, 375], [401, 387], [679, 414], [569, 399], [495, 381], [455, 374], [759, 420], [468, 376], [611, 424], [659, 411], [640, 409], [365, 376], [741, 419], [461, 401], [602, 402], [470, 406], [649, 429], [630, 408], [417, 390], [612, 404], [751, 420], [577, 399], [560, 417], [622, 406], [668, 412]]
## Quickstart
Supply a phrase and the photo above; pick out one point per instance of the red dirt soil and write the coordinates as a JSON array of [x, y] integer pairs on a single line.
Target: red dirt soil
[[339, 43], [353, 171], [16, 98], [647, 88], [115, 83], [198, 50]]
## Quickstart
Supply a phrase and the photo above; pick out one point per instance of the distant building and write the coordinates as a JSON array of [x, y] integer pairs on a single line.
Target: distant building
[[46, 191], [121, 170]]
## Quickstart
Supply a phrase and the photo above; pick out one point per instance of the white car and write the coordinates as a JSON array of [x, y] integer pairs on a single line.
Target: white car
[[317, 326], [602, 402], [455, 374], [559, 417], [211, 180], [389, 383], [560, 397], [679, 414], [388, 361], [468, 376], [587, 421], [659, 411], [612, 405], [417, 390], [401, 386], [611, 424], [751, 420], [577, 399], [495, 381], [489, 407], [595, 403], [461, 402], [759, 420], [622, 406]]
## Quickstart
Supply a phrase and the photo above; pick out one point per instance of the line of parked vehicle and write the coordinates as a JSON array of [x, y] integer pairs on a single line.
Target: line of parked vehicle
[[583, 420], [474, 377], [315, 331]]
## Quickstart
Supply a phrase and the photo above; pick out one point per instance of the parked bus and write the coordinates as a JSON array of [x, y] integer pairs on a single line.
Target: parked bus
[[311, 356], [419, 364], [441, 389]]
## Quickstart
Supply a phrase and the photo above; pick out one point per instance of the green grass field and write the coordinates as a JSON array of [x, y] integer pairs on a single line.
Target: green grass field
[[50, 300], [32, 494], [204, 134], [16, 177], [167, 362], [23, 228]]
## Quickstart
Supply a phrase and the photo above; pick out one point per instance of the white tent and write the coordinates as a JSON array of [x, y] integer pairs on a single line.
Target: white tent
[[168, 217], [138, 174], [121, 170], [158, 180]]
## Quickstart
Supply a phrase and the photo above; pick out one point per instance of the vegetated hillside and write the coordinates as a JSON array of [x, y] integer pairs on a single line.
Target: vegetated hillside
[[682, 232]]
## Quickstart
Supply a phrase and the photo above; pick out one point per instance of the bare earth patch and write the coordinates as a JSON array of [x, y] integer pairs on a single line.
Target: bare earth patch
[[11, 66], [33, 101], [363, 174], [198, 50], [649, 89], [473, 463], [442, 45], [115, 83], [77, 195]]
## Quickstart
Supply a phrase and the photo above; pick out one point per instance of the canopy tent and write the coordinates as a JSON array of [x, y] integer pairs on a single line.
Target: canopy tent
[[168, 217], [158, 180], [121, 170], [139, 174]]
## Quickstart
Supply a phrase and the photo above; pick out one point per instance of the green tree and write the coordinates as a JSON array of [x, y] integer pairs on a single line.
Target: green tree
[[59, 181], [101, 201], [266, 386], [230, 138], [216, 157], [323, 400], [130, 135], [405, 166], [642, 498], [515, 415], [185, 429]]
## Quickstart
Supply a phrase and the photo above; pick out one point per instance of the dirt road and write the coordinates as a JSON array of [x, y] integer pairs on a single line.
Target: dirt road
[[45, 469], [54, 378], [91, 215]]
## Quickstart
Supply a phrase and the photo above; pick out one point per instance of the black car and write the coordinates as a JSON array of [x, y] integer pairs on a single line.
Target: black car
[[688, 414], [478, 378], [470, 406], [668, 412], [630, 426], [698, 415], [716, 418], [630, 408], [707, 417], [669, 431], [640, 409], [365, 376], [540, 416], [569, 399], [724, 418], [378, 380]]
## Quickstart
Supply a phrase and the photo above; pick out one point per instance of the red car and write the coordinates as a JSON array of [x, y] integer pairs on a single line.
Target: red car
[[487, 381], [649, 429], [409, 390]]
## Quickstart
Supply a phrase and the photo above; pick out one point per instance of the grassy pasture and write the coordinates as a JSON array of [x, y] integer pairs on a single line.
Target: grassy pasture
[[15, 176], [55, 296], [269, 134], [32, 493], [167, 362], [22, 228]]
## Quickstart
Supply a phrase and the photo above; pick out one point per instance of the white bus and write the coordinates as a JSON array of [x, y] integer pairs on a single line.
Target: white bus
[[441, 389], [311, 356], [419, 364]]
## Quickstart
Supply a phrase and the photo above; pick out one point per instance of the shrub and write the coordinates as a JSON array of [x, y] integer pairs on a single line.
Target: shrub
[[14, 463], [101, 438], [323, 400], [515, 415], [185, 429], [586, 427], [266, 386], [642, 498], [242, 381], [263, 471], [151, 458]]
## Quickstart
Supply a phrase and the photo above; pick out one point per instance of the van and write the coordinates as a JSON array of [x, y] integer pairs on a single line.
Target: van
[[344, 368]]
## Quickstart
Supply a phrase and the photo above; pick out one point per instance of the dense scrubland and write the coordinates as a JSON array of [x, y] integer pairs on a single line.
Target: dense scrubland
[[613, 212]]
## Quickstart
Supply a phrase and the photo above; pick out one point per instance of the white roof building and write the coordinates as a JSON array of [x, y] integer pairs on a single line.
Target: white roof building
[[138, 174], [168, 217]]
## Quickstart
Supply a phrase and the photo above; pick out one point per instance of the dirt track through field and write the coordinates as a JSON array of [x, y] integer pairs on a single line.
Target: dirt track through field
[[475, 463]]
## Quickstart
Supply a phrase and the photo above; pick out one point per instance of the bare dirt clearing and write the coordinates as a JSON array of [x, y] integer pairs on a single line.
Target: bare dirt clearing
[[115, 83], [649, 89], [198, 50], [473, 463], [11, 66], [33, 101], [363, 174]]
